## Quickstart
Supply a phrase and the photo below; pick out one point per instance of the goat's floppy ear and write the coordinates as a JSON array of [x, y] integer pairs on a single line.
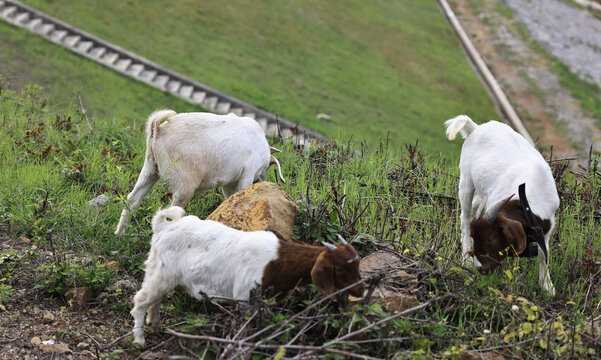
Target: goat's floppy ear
[[514, 233], [322, 275]]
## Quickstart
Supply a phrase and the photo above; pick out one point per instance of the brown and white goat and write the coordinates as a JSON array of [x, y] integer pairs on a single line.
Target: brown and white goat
[[197, 151], [495, 161], [205, 256]]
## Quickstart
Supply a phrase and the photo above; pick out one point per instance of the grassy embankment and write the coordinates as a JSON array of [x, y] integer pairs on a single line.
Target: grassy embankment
[[53, 163], [376, 68]]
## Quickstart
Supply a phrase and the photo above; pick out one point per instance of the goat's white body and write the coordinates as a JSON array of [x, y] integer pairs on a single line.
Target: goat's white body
[[204, 150], [197, 151], [495, 160], [201, 256]]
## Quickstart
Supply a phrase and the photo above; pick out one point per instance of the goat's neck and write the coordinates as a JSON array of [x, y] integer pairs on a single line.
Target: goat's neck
[[513, 210], [292, 267]]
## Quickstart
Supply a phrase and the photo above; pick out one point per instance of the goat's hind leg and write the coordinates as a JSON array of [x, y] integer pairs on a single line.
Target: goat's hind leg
[[182, 197], [148, 299], [148, 177]]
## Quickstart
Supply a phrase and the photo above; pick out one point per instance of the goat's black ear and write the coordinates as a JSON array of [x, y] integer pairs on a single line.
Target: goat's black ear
[[322, 275], [514, 233]]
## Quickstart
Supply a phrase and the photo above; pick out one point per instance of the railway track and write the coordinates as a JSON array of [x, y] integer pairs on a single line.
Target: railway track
[[146, 71]]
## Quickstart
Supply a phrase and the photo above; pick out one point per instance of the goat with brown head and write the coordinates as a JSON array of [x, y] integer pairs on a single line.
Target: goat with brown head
[[207, 257], [495, 235], [495, 162], [329, 267], [336, 269]]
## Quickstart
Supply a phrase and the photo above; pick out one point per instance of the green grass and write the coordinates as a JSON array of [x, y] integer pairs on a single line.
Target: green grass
[[53, 164], [377, 68], [27, 58]]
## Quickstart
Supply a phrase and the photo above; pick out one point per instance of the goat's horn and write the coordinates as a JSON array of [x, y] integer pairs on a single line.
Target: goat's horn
[[481, 206], [329, 246], [342, 241], [491, 214], [274, 150]]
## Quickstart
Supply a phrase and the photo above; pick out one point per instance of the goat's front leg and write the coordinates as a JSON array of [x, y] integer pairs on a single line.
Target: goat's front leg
[[148, 177], [153, 318], [544, 278], [148, 299], [466, 194]]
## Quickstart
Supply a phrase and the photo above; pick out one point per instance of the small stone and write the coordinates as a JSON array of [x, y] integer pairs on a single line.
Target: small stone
[[78, 297], [2, 307], [112, 266], [35, 341], [48, 317], [56, 348], [25, 239], [473, 355], [123, 285], [36, 310], [325, 117], [83, 346], [99, 201]]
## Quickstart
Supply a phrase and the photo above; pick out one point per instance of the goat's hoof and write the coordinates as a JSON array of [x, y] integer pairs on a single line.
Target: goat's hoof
[[467, 262], [139, 342], [550, 290]]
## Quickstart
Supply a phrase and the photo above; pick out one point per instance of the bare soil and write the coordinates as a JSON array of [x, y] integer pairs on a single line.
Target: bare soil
[[83, 333]]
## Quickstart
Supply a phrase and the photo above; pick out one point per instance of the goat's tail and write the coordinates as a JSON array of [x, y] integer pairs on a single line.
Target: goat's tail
[[462, 124], [152, 128], [163, 217], [273, 160], [154, 121]]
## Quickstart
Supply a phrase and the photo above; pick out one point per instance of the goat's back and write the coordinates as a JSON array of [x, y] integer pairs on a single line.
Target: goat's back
[[218, 148], [497, 160], [208, 256]]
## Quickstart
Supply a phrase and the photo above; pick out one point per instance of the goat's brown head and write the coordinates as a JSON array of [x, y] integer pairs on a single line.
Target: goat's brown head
[[336, 268], [495, 236]]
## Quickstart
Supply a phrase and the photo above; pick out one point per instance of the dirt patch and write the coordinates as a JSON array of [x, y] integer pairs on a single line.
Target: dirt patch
[[34, 326], [548, 110]]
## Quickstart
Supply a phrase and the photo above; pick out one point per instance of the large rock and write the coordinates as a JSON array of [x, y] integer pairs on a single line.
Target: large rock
[[260, 206], [394, 291]]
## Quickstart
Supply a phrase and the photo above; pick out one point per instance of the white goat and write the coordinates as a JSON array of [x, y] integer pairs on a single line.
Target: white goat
[[197, 151], [495, 160], [209, 257]]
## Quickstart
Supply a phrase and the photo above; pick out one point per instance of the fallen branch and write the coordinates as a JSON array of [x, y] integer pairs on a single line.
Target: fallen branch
[[392, 317], [266, 346]]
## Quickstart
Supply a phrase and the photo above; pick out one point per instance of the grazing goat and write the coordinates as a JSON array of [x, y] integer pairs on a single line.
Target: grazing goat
[[495, 160], [209, 257], [197, 151]]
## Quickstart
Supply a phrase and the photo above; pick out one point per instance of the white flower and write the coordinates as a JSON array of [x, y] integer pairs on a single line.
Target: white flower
[[514, 308], [486, 332]]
